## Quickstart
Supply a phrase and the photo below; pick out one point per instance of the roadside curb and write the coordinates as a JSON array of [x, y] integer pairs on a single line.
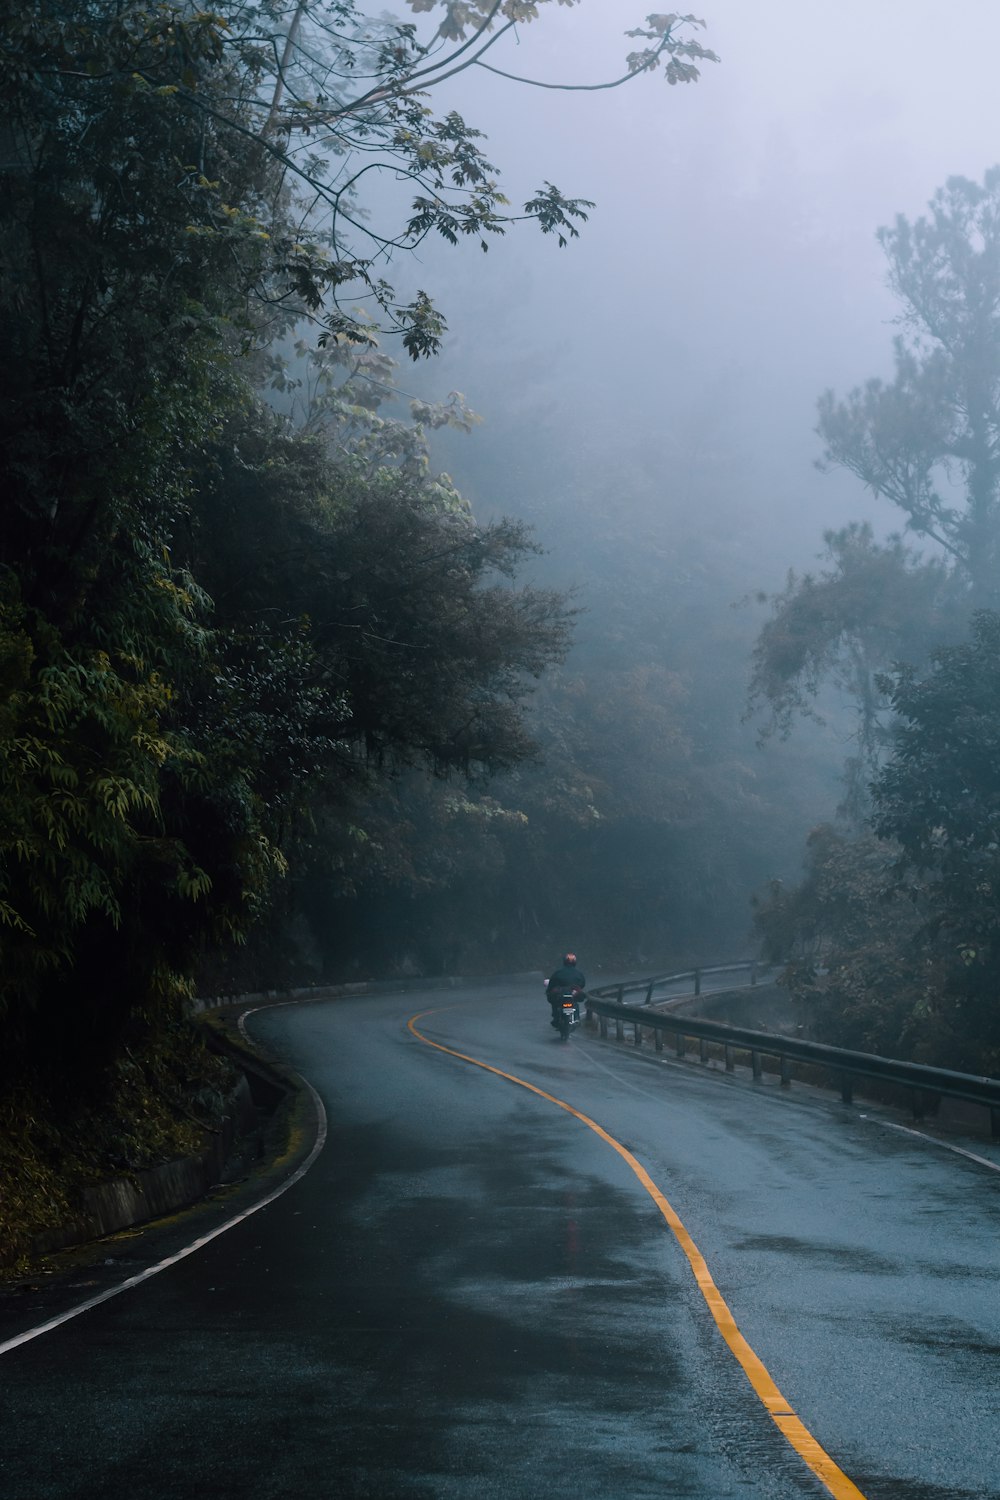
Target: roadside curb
[[247, 1200], [272, 1112]]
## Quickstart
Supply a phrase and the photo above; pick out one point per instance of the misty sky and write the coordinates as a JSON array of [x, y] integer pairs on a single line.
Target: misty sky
[[730, 271]]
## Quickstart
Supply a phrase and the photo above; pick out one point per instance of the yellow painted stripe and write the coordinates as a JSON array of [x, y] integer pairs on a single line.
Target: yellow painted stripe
[[778, 1409]]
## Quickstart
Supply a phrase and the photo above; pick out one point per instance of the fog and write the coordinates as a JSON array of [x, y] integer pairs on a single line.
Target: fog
[[239, 645], [649, 393], [730, 271], [648, 398]]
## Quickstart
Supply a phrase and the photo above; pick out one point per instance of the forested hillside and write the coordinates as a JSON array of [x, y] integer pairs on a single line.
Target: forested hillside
[[653, 814], [241, 617], [894, 935], [311, 672]]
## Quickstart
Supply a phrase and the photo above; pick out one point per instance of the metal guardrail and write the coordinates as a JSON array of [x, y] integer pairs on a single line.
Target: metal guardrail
[[928, 1084], [696, 977]]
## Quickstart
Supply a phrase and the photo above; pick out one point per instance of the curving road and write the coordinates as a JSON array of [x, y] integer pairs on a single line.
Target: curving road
[[473, 1294]]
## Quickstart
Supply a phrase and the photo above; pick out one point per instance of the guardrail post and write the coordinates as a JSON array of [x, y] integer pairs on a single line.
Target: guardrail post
[[649, 992], [928, 1085]]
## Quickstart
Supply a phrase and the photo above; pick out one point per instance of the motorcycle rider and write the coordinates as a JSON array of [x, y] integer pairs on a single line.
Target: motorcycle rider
[[567, 977]]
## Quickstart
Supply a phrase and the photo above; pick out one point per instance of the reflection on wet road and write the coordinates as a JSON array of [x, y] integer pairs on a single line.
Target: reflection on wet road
[[775, 1404], [472, 1295]]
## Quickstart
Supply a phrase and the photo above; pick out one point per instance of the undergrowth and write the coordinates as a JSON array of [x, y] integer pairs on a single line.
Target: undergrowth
[[152, 1104]]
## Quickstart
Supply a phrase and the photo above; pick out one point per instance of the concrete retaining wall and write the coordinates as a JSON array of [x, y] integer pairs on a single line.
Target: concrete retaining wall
[[122, 1202]]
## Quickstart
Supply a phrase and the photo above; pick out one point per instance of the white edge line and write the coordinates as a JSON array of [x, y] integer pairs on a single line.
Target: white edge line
[[205, 1239], [982, 1161]]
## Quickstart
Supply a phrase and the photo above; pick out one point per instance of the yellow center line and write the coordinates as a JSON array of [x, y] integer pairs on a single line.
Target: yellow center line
[[778, 1409]]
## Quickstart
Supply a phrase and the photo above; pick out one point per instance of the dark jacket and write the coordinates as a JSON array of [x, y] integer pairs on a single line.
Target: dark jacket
[[566, 977]]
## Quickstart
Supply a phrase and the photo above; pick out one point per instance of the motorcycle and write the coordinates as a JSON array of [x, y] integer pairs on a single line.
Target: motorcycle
[[568, 1014]]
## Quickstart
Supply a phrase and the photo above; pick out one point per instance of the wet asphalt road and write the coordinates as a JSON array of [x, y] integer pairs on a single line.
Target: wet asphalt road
[[470, 1294]]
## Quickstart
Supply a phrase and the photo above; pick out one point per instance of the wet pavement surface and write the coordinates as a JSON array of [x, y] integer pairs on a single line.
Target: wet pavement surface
[[470, 1294]]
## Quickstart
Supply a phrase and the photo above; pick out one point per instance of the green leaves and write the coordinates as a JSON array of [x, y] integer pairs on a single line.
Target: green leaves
[[929, 441], [940, 795], [939, 799], [857, 958], [423, 327], [893, 940], [679, 54], [214, 629], [555, 214], [872, 605], [82, 754]]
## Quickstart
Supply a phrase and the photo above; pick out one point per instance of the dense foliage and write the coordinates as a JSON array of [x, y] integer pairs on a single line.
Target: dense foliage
[[938, 800], [858, 963], [832, 634], [227, 625], [892, 938], [159, 745], [928, 442], [652, 813]]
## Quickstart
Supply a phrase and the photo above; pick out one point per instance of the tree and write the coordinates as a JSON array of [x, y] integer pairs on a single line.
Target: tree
[[152, 241], [892, 940], [120, 281], [278, 122], [358, 89], [418, 641], [929, 440], [377, 646], [183, 188], [347, 396], [180, 183], [874, 605], [858, 962], [938, 798]]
